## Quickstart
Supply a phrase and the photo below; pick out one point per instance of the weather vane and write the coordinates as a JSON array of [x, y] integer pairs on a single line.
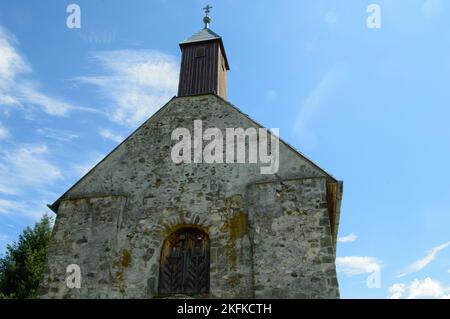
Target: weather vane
[[207, 20]]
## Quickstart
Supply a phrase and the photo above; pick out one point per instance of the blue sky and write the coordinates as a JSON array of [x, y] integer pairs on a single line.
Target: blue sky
[[371, 106]]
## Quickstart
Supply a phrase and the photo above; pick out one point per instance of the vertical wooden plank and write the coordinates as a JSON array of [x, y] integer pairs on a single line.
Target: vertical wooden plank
[[200, 75], [185, 263]]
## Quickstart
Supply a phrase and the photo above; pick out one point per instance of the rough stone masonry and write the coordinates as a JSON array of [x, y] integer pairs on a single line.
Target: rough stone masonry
[[262, 236]]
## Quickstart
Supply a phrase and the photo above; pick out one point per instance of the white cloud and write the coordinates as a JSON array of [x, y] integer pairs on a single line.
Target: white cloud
[[432, 8], [422, 263], [26, 166], [137, 82], [59, 135], [8, 99], [11, 65], [397, 290], [347, 239], [427, 288], [4, 133], [7, 190], [110, 135], [17, 91], [29, 94], [31, 209], [356, 265], [26, 169], [8, 206]]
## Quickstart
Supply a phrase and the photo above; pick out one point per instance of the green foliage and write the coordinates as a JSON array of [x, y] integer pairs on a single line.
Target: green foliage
[[21, 266]]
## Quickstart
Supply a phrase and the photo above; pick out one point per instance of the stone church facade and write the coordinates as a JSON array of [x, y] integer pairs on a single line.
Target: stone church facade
[[139, 225]]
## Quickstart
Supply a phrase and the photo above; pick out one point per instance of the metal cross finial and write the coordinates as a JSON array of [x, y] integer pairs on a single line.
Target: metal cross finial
[[207, 20], [207, 9]]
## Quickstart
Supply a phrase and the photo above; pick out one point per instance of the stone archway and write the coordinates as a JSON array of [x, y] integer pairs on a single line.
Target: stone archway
[[185, 263]]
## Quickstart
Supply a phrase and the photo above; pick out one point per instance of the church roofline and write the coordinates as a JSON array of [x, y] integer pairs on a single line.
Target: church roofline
[[281, 140], [54, 207]]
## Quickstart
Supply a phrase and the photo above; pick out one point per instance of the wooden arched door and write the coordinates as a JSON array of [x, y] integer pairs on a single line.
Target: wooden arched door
[[184, 264]]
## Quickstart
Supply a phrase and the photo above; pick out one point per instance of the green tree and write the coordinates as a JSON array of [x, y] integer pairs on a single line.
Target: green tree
[[22, 264]]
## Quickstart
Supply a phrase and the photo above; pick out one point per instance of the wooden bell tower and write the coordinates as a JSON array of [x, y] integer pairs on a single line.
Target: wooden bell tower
[[204, 63]]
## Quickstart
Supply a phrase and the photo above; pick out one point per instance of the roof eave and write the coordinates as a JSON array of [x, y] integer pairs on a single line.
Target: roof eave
[[54, 207]]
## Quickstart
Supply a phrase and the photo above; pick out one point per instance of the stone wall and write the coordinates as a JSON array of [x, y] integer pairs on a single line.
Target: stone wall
[[113, 222], [293, 255]]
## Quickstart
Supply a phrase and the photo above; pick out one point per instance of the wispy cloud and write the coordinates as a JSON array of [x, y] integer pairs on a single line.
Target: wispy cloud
[[17, 90], [110, 135], [4, 132], [8, 206], [347, 239], [137, 83], [422, 263], [26, 166], [357, 265], [427, 288], [28, 93], [7, 190], [59, 135], [34, 209], [25, 169], [11, 66], [316, 101]]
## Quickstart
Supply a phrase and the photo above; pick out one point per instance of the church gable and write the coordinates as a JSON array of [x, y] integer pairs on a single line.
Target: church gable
[[147, 152]]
